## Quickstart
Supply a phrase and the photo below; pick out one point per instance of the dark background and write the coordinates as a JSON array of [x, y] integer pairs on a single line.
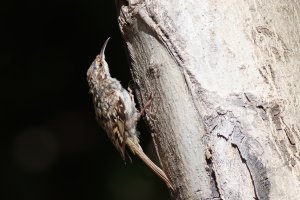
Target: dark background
[[51, 145]]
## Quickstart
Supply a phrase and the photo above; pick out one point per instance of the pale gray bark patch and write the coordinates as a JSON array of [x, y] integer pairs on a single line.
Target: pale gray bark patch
[[266, 39], [273, 110]]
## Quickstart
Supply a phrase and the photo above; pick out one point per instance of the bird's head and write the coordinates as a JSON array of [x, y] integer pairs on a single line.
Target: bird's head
[[98, 70]]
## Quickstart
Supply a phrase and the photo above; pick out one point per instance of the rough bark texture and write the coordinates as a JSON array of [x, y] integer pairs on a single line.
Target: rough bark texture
[[225, 74]]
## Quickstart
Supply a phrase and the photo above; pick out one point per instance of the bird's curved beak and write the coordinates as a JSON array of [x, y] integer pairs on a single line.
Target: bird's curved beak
[[101, 55]]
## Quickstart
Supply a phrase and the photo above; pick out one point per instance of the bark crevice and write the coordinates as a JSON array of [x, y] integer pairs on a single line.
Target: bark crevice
[[224, 124], [249, 171], [211, 171]]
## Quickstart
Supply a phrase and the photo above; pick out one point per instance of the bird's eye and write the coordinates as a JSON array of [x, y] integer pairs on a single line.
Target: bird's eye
[[95, 66]]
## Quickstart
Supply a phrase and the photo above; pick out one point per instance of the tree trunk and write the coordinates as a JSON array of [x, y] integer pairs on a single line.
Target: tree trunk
[[225, 76]]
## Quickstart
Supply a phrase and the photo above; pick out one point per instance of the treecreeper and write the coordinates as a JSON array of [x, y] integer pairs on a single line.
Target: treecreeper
[[116, 112]]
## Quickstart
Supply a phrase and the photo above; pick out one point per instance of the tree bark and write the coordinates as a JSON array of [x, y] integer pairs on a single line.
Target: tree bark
[[225, 76]]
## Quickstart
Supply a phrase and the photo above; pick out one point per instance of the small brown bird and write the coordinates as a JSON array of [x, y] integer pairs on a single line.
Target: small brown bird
[[116, 112]]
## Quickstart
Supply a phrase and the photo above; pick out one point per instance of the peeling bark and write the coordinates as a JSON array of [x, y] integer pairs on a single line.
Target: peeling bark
[[225, 74]]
